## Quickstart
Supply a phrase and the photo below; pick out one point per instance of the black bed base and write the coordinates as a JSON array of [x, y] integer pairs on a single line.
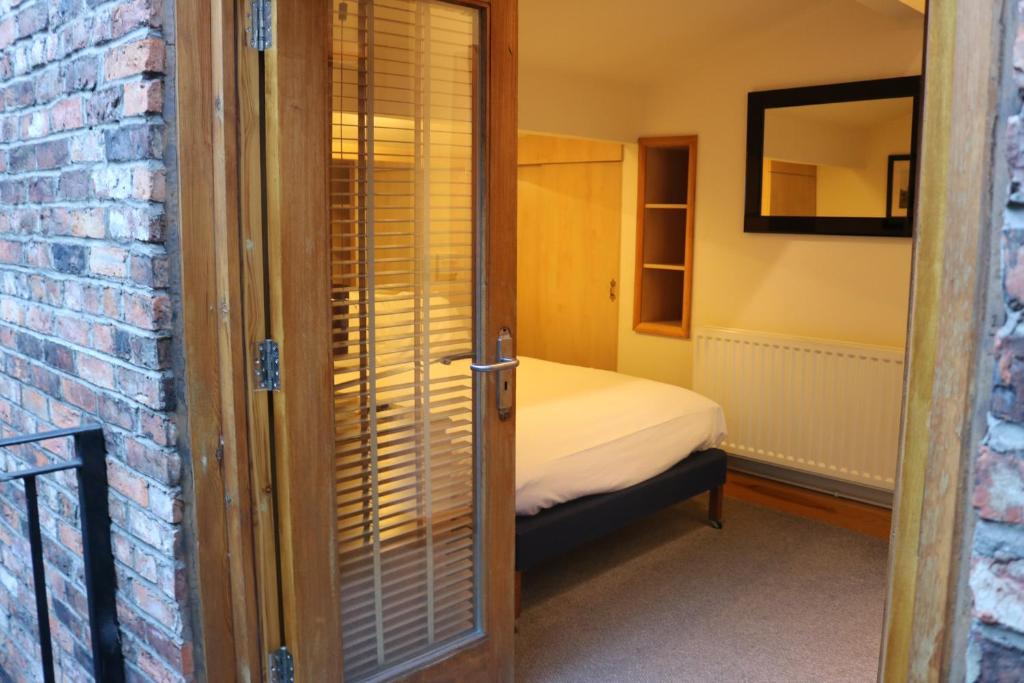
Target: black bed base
[[559, 529]]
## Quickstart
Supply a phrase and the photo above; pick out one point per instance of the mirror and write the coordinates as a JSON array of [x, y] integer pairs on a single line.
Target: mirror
[[835, 159]]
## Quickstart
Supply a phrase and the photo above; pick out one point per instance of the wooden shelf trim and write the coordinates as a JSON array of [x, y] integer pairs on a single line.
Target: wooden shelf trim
[[664, 328], [666, 185]]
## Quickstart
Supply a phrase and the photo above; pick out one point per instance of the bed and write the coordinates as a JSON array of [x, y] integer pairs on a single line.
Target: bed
[[596, 450]]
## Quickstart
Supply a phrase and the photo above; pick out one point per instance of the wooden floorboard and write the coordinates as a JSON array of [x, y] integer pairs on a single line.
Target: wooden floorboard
[[860, 517]]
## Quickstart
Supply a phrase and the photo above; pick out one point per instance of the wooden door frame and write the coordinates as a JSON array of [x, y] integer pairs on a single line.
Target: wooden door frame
[[955, 299], [223, 439], [224, 424]]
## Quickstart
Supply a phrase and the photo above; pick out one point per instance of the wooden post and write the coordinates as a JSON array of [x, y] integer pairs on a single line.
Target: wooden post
[[715, 499], [519, 593]]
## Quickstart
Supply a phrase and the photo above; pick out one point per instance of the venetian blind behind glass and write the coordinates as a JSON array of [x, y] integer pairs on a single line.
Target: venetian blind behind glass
[[402, 230]]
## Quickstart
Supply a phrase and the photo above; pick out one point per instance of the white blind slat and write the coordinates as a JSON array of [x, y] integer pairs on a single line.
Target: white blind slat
[[402, 227]]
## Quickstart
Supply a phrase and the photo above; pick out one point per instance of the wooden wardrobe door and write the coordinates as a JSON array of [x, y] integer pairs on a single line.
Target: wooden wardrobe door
[[569, 218]]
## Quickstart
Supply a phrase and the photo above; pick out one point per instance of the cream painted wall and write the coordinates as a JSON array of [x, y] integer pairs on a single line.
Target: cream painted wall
[[844, 288], [663, 358], [578, 106], [791, 137]]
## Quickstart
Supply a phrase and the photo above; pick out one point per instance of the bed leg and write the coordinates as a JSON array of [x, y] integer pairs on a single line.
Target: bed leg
[[715, 506], [519, 593]]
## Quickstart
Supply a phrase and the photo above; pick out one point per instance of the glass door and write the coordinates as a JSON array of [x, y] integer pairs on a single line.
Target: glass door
[[403, 199], [391, 283]]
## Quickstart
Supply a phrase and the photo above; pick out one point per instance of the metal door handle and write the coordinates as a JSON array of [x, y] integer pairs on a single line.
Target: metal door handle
[[505, 363], [501, 364], [448, 360]]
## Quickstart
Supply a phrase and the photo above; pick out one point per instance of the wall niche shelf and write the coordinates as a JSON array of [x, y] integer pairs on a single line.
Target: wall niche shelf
[[664, 235]]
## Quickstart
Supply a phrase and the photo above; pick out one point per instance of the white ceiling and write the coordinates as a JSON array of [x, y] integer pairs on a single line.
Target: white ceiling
[[637, 42]]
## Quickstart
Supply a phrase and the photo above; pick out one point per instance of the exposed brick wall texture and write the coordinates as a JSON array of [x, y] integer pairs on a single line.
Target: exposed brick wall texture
[[996, 644], [85, 320]]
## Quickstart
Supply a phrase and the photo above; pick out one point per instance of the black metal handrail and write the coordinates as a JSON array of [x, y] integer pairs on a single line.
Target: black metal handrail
[[90, 464]]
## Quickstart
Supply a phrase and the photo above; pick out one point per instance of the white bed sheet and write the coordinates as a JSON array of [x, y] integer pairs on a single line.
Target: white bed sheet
[[581, 431]]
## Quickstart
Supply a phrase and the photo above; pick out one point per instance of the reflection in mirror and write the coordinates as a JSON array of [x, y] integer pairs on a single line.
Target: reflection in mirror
[[839, 159]]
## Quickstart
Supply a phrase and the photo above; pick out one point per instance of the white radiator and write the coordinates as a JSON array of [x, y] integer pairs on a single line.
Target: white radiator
[[828, 408]]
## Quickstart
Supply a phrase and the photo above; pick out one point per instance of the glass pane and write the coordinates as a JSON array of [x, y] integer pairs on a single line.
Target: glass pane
[[403, 233], [839, 159]]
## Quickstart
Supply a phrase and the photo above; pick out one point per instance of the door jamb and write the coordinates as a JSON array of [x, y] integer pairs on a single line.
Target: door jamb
[[224, 424], [949, 366], [967, 46]]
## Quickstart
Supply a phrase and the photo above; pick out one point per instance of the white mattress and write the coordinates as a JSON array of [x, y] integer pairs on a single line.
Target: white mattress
[[581, 431]]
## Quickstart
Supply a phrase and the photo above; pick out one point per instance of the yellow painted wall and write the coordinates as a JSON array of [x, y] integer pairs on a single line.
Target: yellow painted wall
[[844, 288]]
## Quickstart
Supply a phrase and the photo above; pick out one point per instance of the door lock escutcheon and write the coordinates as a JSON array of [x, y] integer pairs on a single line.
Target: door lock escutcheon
[[503, 367]]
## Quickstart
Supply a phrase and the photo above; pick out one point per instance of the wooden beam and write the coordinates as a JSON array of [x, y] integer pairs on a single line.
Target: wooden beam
[[963, 78], [215, 427]]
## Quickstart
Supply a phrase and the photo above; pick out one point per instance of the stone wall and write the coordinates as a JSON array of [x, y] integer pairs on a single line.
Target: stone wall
[[996, 641], [86, 319]]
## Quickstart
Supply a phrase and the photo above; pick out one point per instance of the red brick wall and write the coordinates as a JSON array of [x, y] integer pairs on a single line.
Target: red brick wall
[[86, 316], [996, 645], [86, 335]]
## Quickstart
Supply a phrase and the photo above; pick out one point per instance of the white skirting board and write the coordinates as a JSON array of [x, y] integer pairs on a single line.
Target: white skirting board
[[823, 407]]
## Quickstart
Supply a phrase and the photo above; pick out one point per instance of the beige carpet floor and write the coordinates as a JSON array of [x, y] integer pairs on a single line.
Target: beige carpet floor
[[770, 597]]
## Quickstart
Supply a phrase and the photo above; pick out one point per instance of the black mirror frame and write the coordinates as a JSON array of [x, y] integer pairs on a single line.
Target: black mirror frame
[[758, 102]]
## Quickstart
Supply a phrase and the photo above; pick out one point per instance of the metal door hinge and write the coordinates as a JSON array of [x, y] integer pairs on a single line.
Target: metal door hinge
[[282, 667], [259, 25], [267, 366]]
